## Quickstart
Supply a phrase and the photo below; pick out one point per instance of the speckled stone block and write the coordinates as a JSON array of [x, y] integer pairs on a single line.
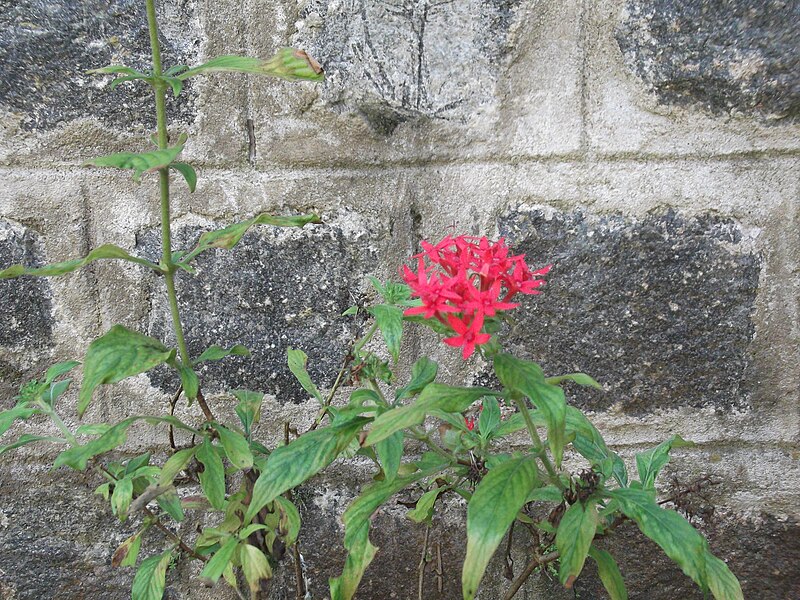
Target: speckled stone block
[[737, 57], [276, 289], [658, 309], [47, 47]]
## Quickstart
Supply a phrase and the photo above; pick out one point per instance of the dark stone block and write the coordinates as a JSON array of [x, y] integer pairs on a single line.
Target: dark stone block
[[762, 553], [46, 47], [658, 309], [25, 302], [738, 57], [272, 291], [394, 62], [54, 539]]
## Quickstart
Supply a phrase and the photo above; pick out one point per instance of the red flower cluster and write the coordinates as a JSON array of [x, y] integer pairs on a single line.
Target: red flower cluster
[[469, 279]]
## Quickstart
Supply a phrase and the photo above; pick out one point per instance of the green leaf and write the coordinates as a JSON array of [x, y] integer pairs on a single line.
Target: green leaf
[[177, 86], [54, 391], [175, 464], [573, 539], [490, 417], [216, 353], [390, 451], [290, 465], [151, 577], [423, 511], [548, 493], [287, 63], [121, 497], [93, 429], [106, 251], [579, 378], [590, 444], [255, 566], [214, 567], [360, 551], [189, 382], [526, 378], [120, 353], [21, 412], [423, 372], [229, 236], [212, 479], [59, 369], [353, 310], [26, 439], [114, 69], [609, 574], [120, 80], [170, 503], [721, 581], [680, 541], [137, 463], [298, 360], [186, 170], [494, 506], [236, 447], [249, 408], [77, 457], [435, 396], [144, 162], [390, 322], [650, 463]]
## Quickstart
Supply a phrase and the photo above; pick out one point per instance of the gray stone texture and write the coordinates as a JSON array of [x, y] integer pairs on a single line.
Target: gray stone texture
[[276, 289], [660, 309], [650, 149], [738, 57], [47, 47]]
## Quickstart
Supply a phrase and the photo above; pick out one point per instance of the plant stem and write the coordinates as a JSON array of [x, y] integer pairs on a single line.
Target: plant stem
[[536, 561], [537, 441], [163, 180], [50, 412]]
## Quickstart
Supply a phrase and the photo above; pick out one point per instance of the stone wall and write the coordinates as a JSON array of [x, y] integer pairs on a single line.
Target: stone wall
[[649, 149]]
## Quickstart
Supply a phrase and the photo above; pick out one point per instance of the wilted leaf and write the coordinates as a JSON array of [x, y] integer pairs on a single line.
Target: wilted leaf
[[229, 236], [103, 252], [579, 378], [255, 566], [287, 63]]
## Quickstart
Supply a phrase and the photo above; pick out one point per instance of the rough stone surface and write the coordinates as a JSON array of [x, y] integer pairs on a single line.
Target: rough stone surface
[[46, 47], [274, 290], [659, 309], [740, 57], [395, 61], [25, 301], [763, 553]]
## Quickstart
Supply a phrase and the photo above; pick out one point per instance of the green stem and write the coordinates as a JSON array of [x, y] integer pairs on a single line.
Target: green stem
[[50, 412], [537, 441], [367, 337], [423, 437], [163, 180]]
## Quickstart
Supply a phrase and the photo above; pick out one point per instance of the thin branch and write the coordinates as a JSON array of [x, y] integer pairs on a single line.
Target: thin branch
[[422, 562], [536, 562]]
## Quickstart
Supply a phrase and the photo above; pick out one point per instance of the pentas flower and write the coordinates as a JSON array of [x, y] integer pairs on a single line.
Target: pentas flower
[[469, 279]]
